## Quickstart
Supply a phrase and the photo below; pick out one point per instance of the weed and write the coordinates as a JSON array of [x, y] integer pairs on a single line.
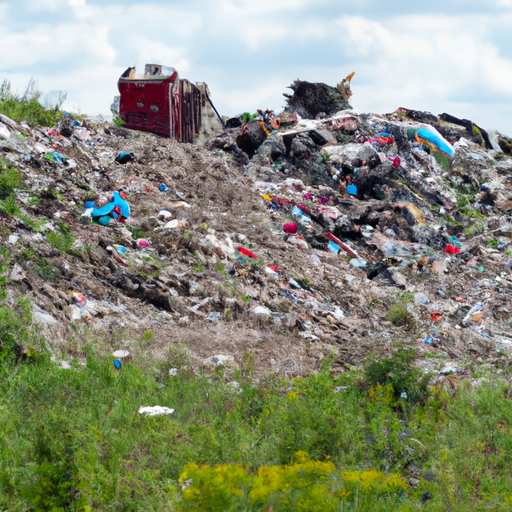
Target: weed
[[35, 225], [31, 106], [228, 315], [199, 268], [469, 213], [508, 252], [9, 180], [399, 315], [493, 243], [118, 122], [47, 271], [14, 330], [136, 232], [8, 205], [407, 297], [474, 229], [324, 157], [28, 254], [147, 336], [398, 371], [61, 239]]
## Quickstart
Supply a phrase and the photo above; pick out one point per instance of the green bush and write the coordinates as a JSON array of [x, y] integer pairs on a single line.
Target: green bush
[[398, 372], [399, 315], [15, 330], [30, 106]]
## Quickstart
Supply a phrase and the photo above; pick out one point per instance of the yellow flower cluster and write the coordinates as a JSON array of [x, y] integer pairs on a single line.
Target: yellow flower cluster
[[305, 485], [382, 393]]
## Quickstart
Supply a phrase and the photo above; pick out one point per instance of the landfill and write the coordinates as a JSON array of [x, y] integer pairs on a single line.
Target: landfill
[[287, 237]]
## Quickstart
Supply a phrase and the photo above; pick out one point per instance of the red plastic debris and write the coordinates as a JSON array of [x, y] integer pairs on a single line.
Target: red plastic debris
[[395, 161], [436, 315], [303, 207], [340, 244], [246, 252], [451, 249], [290, 228]]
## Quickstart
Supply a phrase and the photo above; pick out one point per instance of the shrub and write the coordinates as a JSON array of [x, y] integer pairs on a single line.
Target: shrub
[[398, 372], [14, 330], [31, 106], [305, 485], [400, 316]]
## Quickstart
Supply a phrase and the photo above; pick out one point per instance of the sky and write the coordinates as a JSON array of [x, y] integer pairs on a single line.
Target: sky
[[451, 56]]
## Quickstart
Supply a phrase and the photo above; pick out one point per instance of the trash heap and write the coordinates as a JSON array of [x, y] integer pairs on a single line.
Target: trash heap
[[287, 237]]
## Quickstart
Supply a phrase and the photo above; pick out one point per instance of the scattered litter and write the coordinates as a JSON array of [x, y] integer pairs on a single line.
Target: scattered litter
[[213, 317], [156, 410], [121, 354], [219, 360], [262, 310], [124, 157]]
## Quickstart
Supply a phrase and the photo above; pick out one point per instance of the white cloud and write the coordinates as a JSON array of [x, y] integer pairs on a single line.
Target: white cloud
[[245, 8], [250, 51]]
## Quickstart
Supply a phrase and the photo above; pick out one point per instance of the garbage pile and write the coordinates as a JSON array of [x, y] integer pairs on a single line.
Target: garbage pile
[[289, 236]]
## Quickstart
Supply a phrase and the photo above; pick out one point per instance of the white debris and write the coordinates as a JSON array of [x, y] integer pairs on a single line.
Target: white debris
[[262, 310], [156, 410], [121, 354], [219, 360]]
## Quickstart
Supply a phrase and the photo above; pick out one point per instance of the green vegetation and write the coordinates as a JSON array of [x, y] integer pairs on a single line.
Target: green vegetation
[[61, 239], [9, 180], [324, 157], [30, 106], [118, 122], [136, 232], [469, 213], [4, 266], [399, 315], [47, 271], [474, 229], [379, 440], [399, 373], [493, 243], [198, 268]]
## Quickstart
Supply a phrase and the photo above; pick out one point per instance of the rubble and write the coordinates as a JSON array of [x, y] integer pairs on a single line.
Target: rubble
[[288, 241]]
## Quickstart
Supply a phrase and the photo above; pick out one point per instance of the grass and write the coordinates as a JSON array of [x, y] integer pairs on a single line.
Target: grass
[[61, 239], [399, 315], [474, 229], [46, 270], [73, 439], [31, 105]]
